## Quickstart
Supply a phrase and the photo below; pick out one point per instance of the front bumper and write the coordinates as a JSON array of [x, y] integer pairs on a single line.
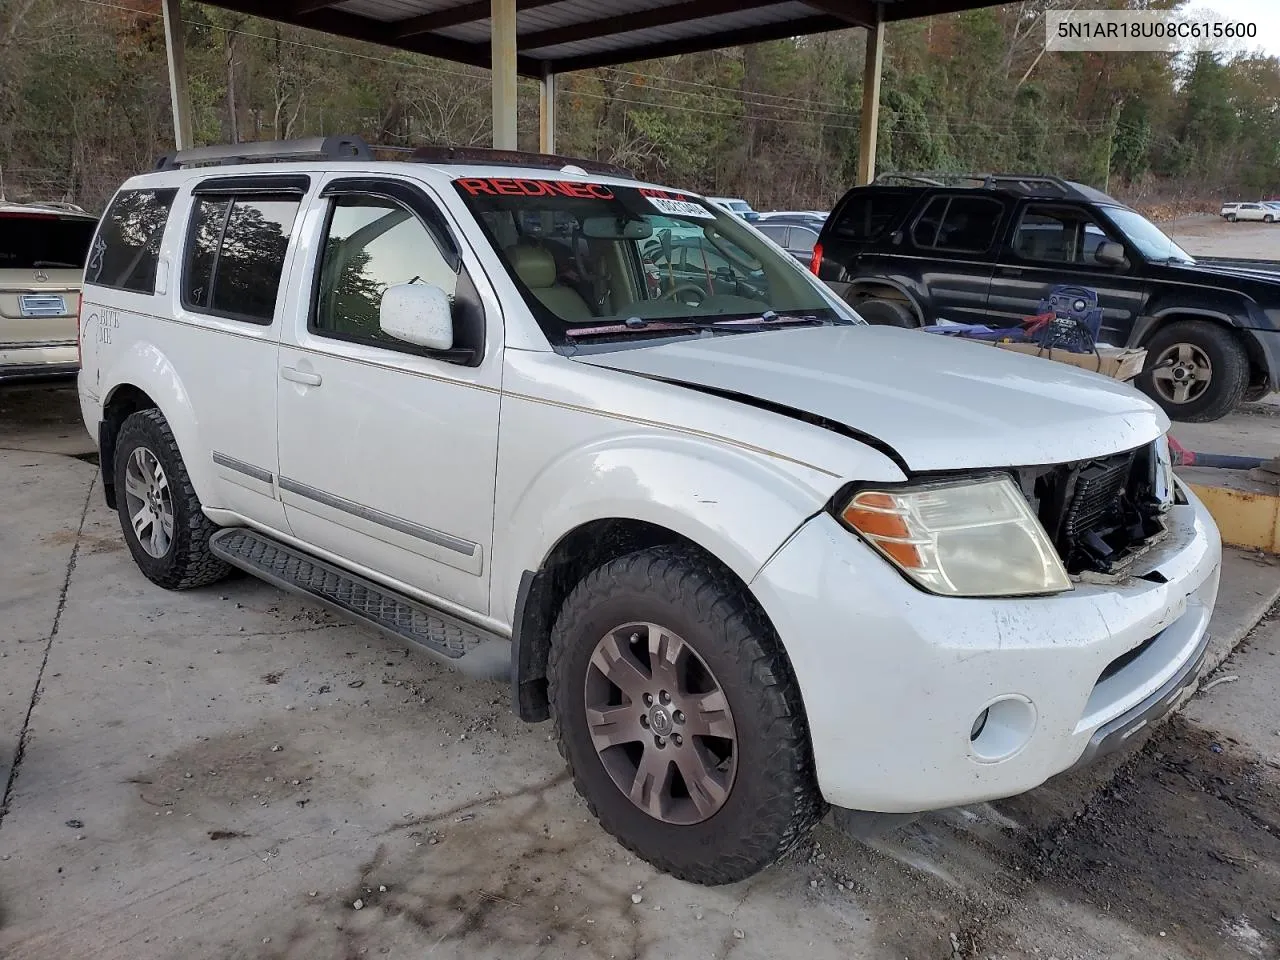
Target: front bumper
[[38, 361], [894, 680]]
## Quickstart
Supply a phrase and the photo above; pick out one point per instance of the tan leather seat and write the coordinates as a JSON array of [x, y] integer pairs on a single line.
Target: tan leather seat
[[536, 269]]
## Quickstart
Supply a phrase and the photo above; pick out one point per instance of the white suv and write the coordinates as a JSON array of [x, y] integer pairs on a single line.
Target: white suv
[[752, 555]]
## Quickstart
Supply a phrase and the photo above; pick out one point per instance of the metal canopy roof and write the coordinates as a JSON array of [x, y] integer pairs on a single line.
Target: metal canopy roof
[[555, 36]]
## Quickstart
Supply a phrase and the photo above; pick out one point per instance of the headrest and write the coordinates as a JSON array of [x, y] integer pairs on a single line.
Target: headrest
[[535, 266]]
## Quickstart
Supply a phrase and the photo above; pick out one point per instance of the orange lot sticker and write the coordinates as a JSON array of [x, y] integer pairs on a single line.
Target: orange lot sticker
[[518, 187]]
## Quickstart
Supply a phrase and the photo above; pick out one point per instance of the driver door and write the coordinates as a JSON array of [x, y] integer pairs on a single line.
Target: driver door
[[387, 451], [1050, 266]]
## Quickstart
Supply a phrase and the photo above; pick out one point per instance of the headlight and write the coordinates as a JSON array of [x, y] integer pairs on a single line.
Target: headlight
[[969, 538]]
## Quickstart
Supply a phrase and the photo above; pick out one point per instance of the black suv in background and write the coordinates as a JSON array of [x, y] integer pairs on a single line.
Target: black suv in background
[[911, 249]]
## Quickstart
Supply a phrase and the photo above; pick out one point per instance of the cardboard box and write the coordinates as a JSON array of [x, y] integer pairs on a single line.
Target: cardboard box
[[1119, 363]]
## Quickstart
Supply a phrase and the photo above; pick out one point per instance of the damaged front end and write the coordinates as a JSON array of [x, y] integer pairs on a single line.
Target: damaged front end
[[1104, 513]]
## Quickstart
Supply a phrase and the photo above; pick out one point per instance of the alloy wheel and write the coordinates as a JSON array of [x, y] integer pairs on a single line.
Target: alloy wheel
[[149, 502], [660, 723], [1182, 373]]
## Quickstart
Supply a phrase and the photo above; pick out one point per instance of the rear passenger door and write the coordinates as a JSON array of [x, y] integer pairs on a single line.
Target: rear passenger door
[[230, 275], [955, 236], [388, 450]]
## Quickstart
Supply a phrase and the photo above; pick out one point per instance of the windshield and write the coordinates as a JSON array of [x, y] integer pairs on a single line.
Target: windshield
[[44, 241], [1150, 240], [609, 262]]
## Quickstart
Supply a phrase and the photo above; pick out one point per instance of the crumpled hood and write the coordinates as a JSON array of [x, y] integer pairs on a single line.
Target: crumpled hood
[[940, 404]]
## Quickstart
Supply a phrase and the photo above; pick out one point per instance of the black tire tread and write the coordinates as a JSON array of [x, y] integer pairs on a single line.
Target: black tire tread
[[720, 603], [193, 563], [1230, 378]]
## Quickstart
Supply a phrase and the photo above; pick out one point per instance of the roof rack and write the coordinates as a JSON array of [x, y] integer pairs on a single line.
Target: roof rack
[[269, 151], [1034, 185], [356, 148], [48, 205]]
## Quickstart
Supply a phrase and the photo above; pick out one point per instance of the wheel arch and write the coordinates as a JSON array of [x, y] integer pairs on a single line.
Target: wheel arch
[[882, 288], [542, 593], [144, 379]]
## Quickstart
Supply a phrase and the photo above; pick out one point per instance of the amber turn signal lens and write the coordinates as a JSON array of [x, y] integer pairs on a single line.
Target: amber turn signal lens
[[873, 523], [905, 555]]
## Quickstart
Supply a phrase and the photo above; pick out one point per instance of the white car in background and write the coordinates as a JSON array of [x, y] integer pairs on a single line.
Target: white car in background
[[1252, 211], [735, 205]]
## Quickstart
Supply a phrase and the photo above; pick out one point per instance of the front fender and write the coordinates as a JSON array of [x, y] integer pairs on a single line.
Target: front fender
[[145, 366], [738, 507]]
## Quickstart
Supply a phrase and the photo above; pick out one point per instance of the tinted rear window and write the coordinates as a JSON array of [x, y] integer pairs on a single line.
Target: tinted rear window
[[127, 248], [236, 254], [43, 241], [867, 214]]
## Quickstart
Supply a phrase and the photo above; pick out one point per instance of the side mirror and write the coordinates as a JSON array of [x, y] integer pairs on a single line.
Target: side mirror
[[418, 313], [1110, 253]]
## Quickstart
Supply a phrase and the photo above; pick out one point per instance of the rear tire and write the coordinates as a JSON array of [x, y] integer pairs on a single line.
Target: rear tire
[[886, 313], [753, 755], [1196, 370], [160, 515]]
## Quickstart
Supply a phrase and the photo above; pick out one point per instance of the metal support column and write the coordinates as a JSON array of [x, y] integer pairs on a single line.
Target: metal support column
[[547, 112], [871, 98], [503, 66], [176, 47]]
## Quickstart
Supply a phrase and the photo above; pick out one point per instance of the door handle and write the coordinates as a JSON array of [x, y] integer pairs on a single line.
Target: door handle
[[1011, 271], [301, 376]]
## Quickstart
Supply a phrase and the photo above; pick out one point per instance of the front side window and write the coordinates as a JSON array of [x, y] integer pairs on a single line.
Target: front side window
[[236, 251], [596, 257], [1055, 234], [373, 243], [126, 251]]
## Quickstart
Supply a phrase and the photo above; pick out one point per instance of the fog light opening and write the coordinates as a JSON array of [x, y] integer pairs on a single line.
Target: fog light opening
[[1002, 728]]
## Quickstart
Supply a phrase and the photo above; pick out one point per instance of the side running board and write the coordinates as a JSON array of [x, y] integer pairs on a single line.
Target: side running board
[[469, 649]]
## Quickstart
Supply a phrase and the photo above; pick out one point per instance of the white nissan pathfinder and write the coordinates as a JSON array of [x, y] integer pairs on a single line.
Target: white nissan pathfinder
[[753, 556]]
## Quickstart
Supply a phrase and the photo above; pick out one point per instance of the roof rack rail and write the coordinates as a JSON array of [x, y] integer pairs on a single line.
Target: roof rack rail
[[55, 205], [923, 179], [1032, 185], [267, 151], [515, 158]]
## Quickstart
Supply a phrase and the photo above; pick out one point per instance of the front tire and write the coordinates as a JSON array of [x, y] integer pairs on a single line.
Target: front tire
[[679, 717], [1196, 370], [1268, 219], [160, 515]]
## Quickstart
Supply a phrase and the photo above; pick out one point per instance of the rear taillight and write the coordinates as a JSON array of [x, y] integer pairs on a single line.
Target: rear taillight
[[815, 262]]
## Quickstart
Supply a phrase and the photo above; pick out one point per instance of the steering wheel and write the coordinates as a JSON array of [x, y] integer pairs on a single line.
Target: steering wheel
[[674, 293]]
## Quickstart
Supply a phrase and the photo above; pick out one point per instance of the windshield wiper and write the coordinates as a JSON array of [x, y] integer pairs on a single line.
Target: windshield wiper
[[765, 321], [55, 263]]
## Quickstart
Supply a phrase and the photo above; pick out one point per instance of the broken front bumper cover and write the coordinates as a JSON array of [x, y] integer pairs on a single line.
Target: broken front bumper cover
[[1112, 736]]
